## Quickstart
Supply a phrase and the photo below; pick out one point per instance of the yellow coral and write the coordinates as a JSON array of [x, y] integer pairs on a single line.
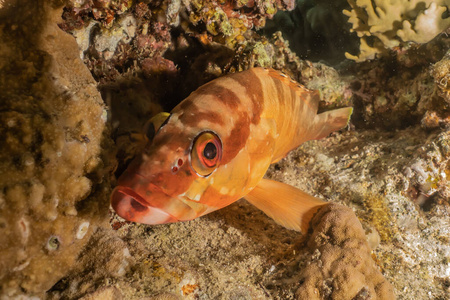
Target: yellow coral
[[395, 22]]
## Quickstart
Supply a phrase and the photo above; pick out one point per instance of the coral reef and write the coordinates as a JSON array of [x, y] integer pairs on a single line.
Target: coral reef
[[105, 256], [441, 74], [384, 25], [234, 18], [385, 178], [393, 95], [322, 30], [52, 183], [391, 168]]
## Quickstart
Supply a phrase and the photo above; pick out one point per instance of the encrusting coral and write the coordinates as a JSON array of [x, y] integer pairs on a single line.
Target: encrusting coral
[[341, 265], [232, 19], [52, 120], [383, 24]]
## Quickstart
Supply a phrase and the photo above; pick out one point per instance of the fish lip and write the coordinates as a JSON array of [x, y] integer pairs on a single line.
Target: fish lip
[[134, 185], [128, 193]]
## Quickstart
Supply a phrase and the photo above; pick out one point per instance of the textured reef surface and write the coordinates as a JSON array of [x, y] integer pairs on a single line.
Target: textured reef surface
[[79, 79]]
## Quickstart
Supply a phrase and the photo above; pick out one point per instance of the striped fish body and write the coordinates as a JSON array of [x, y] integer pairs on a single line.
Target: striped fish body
[[216, 146]]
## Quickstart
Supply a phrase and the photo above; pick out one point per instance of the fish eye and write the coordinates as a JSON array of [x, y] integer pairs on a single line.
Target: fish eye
[[206, 153], [155, 123]]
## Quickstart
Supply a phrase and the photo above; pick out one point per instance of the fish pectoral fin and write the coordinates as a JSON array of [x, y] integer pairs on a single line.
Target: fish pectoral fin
[[285, 204]]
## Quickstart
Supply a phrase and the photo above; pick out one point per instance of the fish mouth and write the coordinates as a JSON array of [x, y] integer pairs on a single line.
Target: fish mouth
[[133, 207]]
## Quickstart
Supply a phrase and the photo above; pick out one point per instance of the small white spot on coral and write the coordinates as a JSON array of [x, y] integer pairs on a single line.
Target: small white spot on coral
[[21, 266], [82, 230], [24, 228], [104, 115]]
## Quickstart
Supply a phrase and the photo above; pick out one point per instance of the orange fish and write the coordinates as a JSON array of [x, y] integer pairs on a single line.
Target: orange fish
[[216, 145]]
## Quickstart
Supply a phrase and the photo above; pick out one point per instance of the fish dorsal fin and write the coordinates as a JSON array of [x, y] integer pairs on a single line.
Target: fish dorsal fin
[[287, 205], [310, 97]]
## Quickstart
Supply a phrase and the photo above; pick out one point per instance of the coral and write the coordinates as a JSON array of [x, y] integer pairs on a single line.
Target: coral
[[52, 168], [441, 74], [104, 11], [429, 173], [232, 19], [341, 265], [384, 25], [397, 99], [120, 46], [106, 255], [106, 42], [380, 175], [334, 91]]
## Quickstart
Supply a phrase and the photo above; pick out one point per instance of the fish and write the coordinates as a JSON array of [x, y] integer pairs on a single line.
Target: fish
[[216, 145]]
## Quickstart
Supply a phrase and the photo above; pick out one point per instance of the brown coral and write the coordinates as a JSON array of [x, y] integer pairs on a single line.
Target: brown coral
[[341, 265], [52, 119]]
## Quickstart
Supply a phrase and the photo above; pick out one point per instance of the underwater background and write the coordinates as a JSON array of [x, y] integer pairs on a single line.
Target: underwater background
[[79, 79]]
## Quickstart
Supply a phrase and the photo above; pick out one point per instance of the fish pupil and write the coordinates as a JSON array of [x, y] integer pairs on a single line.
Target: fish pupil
[[210, 151]]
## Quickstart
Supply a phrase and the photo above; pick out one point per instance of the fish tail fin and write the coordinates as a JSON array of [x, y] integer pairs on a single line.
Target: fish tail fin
[[285, 204], [329, 121]]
